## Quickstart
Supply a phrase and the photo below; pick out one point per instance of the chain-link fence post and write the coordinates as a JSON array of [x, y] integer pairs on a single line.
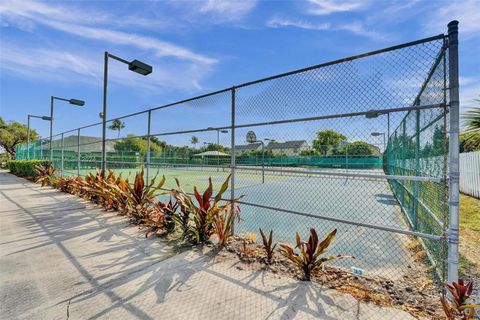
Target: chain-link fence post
[[61, 159], [454, 152], [232, 152], [148, 145], [78, 152], [417, 169]]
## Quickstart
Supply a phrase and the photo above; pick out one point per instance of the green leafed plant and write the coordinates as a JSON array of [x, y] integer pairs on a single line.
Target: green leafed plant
[[459, 307], [268, 245], [310, 258], [201, 214], [224, 222]]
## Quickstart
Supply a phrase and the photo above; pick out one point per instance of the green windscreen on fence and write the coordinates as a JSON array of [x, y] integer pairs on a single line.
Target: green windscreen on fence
[[419, 147]]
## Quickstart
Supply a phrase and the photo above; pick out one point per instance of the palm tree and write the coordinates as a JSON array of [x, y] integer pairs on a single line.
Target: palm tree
[[117, 125], [194, 140], [471, 134]]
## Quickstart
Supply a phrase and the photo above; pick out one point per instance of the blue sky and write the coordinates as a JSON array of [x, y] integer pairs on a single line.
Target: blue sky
[[56, 47]]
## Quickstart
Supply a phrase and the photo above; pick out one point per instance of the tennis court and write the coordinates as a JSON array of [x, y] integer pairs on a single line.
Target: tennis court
[[288, 202], [308, 128]]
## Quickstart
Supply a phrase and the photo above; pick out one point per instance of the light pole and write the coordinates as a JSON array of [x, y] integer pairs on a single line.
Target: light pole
[[377, 134], [263, 159], [75, 102], [252, 138], [218, 142], [135, 66], [28, 131]]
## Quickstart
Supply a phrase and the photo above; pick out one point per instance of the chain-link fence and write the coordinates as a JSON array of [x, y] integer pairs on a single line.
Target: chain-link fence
[[359, 144]]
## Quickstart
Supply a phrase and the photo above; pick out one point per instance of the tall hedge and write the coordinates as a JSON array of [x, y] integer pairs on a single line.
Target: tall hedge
[[24, 168]]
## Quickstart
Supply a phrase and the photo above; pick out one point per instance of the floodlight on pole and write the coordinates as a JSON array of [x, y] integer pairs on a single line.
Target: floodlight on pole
[[45, 118], [135, 66], [75, 102]]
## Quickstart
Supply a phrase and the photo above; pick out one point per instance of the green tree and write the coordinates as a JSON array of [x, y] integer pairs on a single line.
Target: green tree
[[471, 135], [361, 148], [326, 139], [13, 134], [469, 141], [117, 125], [136, 144], [215, 147], [194, 140], [309, 153]]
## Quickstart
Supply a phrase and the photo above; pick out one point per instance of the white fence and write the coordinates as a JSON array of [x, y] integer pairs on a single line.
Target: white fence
[[470, 173]]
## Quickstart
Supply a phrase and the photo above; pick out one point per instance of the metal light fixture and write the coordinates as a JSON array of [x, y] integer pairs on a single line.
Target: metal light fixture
[[135, 66], [140, 67], [77, 102]]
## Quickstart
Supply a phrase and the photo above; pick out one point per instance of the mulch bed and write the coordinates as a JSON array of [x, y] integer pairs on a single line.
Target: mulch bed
[[415, 293]]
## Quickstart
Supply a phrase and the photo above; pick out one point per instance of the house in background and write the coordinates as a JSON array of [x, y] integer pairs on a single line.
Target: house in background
[[289, 148], [257, 146]]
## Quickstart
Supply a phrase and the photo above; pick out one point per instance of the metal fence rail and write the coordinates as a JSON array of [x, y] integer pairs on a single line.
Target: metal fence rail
[[378, 194]]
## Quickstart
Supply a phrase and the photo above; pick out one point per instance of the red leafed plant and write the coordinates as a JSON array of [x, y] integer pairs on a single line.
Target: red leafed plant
[[224, 222], [309, 260], [459, 307], [141, 195], [44, 174], [161, 218], [268, 245], [202, 213]]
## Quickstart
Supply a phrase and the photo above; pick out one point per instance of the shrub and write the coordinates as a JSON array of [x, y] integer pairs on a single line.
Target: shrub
[[309, 259], [460, 296], [202, 214], [141, 195], [25, 168], [44, 174], [161, 218], [224, 222], [268, 245]]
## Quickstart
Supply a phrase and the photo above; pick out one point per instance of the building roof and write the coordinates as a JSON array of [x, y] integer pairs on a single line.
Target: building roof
[[211, 153], [294, 144], [248, 147]]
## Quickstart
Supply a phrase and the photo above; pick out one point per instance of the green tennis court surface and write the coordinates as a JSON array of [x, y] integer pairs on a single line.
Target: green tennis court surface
[[314, 198]]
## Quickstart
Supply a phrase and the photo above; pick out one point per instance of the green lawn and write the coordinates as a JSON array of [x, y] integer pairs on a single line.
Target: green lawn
[[469, 236]]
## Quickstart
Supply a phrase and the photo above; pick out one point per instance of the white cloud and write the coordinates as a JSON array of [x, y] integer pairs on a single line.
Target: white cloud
[[326, 7], [234, 8], [468, 94], [25, 10], [214, 11], [160, 48], [184, 70], [55, 64], [355, 27], [40, 13], [280, 22], [467, 12]]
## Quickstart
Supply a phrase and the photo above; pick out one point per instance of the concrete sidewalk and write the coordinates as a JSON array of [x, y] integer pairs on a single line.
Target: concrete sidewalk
[[61, 258]]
